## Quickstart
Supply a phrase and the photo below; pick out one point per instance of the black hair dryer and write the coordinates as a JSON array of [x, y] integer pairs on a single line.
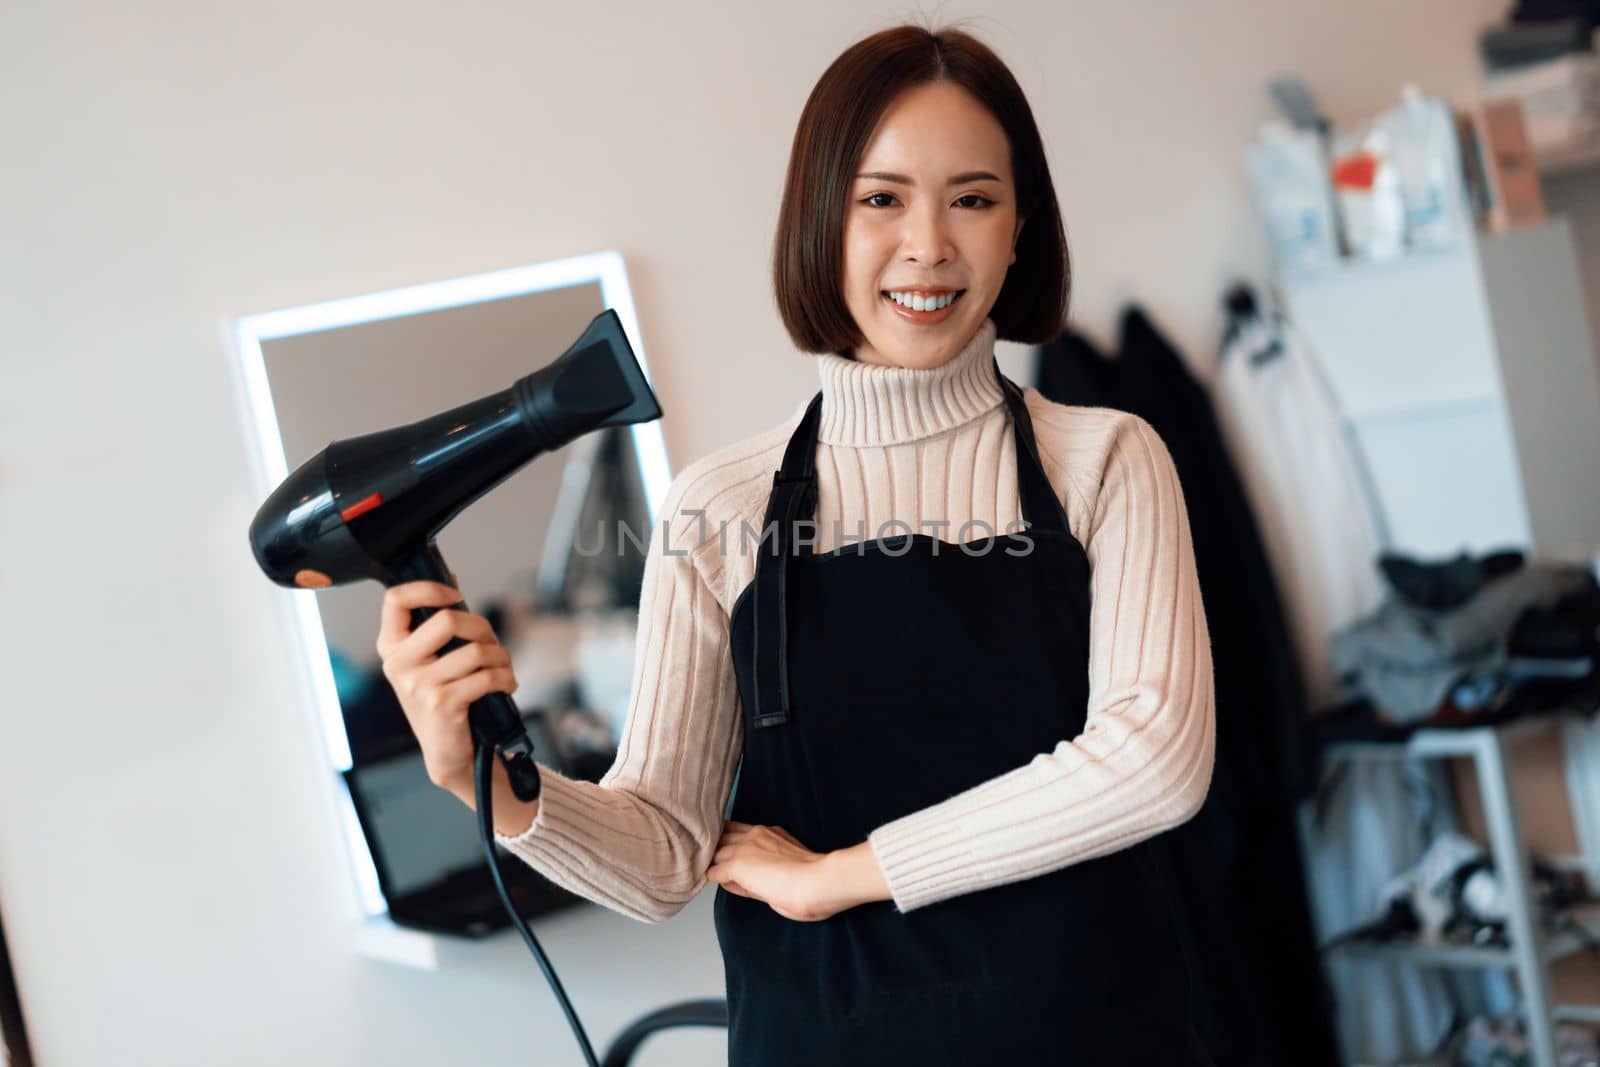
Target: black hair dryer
[[371, 506]]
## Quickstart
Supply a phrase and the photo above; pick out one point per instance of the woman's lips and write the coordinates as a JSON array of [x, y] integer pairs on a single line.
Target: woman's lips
[[924, 318]]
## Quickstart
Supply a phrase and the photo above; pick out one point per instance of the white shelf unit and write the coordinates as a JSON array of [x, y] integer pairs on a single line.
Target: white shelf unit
[[1532, 949], [1468, 379]]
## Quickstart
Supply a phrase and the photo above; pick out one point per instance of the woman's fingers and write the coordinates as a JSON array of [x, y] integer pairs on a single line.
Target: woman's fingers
[[460, 662], [737, 889], [480, 684], [426, 640], [398, 603], [718, 872], [737, 831]]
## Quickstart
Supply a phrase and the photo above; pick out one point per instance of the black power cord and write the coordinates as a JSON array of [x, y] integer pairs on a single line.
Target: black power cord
[[484, 775]]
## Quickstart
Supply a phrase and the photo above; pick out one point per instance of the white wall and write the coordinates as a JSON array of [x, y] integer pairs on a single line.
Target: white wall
[[172, 891]]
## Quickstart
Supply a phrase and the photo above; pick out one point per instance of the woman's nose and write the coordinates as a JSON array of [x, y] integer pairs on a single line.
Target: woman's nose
[[926, 239]]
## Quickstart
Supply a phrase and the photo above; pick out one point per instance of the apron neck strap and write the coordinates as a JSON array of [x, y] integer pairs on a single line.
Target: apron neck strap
[[1041, 506]]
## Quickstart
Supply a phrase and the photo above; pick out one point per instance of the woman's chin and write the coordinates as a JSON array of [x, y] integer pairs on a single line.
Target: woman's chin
[[918, 351]]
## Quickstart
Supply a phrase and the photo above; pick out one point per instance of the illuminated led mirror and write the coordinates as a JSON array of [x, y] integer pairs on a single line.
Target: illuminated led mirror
[[335, 370]]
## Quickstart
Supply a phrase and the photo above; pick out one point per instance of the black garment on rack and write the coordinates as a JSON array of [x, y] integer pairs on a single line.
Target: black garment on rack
[[1262, 998]]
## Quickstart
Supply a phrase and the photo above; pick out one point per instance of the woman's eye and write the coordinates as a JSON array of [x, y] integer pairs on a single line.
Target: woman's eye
[[871, 201]]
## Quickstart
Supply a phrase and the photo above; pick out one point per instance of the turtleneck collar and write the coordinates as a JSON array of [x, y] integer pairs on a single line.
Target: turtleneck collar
[[871, 404]]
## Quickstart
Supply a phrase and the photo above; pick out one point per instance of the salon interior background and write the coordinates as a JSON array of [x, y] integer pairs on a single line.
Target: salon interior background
[[172, 891]]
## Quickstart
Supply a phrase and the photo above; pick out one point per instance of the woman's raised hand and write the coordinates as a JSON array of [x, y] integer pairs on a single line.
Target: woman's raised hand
[[435, 691]]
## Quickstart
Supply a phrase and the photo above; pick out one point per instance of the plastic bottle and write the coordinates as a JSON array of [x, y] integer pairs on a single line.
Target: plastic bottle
[[1289, 176], [1422, 142], [1371, 210]]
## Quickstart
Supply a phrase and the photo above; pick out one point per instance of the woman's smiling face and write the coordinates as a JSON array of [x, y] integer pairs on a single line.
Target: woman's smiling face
[[932, 207]]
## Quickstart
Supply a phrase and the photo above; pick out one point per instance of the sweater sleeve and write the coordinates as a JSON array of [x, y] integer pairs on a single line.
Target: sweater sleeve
[[639, 841], [1143, 761]]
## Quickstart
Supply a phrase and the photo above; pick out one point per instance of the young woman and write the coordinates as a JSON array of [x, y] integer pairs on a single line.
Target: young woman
[[954, 647]]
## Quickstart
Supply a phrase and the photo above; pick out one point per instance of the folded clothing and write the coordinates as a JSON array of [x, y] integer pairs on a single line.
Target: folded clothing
[[1406, 659]]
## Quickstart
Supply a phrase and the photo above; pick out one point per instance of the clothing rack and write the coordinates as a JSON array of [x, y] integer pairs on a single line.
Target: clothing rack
[[1531, 949]]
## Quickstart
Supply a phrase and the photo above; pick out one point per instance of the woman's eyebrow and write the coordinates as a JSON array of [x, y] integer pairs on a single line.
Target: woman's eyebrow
[[959, 179]]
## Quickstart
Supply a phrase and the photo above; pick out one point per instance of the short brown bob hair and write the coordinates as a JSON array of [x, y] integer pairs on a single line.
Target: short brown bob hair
[[835, 126]]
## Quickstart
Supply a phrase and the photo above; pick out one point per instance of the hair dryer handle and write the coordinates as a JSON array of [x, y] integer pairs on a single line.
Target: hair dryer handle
[[494, 718]]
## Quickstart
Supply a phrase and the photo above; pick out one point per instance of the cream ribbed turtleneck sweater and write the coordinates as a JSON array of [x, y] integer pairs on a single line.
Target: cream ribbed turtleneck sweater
[[925, 447]]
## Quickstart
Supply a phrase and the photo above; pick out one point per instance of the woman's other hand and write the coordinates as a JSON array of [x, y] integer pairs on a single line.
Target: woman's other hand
[[767, 863]]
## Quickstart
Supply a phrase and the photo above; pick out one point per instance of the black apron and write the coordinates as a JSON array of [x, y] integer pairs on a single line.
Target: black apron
[[886, 676]]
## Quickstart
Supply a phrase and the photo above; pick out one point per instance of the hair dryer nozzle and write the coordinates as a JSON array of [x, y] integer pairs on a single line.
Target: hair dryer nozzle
[[595, 383]]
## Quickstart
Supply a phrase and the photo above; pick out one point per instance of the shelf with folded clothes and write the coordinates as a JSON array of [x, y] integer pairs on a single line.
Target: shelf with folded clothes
[[1577, 928], [1464, 643]]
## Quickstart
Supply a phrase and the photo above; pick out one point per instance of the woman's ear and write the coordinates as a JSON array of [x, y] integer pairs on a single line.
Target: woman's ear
[[1016, 233]]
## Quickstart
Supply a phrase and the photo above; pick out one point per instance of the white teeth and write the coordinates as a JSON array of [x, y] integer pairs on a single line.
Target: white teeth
[[917, 302]]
